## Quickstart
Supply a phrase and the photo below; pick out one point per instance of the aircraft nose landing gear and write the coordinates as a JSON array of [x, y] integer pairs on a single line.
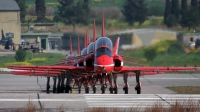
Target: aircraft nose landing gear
[[138, 86], [48, 85], [103, 88]]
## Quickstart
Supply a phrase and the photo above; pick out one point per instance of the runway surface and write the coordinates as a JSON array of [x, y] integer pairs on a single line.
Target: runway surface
[[16, 91]]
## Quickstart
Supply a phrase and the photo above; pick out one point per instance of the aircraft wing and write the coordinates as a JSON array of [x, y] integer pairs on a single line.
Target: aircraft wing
[[47, 67], [41, 70], [158, 69]]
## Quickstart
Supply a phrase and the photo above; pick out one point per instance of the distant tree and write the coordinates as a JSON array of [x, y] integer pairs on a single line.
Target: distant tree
[[71, 13], [142, 12], [183, 11], [175, 9], [40, 9], [22, 6], [191, 18], [81, 11], [135, 11], [183, 6], [156, 11], [171, 21], [167, 10], [150, 53], [194, 3]]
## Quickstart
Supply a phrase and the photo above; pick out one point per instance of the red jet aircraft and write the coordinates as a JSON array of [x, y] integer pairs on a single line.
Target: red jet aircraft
[[101, 62]]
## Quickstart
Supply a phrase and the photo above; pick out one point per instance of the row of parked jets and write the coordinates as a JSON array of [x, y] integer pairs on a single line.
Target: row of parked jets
[[99, 62]]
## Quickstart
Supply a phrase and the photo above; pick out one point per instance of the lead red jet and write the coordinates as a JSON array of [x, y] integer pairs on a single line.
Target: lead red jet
[[101, 60]]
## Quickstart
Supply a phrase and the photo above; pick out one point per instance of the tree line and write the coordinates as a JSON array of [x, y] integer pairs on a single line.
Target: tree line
[[185, 15], [70, 12]]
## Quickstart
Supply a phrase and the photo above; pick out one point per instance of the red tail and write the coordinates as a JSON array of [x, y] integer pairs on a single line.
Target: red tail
[[103, 29], [78, 50], [116, 47], [71, 52], [85, 41], [87, 37], [94, 31]]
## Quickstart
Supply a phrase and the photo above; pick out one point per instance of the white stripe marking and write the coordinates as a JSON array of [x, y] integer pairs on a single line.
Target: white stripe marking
[[103, 65], [175, 78], [43, 100]]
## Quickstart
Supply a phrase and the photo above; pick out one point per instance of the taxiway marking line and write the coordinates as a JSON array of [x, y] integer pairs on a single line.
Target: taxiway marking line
[[42, 100]]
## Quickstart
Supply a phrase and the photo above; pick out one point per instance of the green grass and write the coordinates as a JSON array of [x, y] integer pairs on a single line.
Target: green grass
[[174, 56], [50, 59], [179, 59], [186, 89]]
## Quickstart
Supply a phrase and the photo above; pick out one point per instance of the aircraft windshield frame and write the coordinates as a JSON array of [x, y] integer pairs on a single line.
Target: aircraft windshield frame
[[103, 51], [103, 41], [84, 51], [90, 47], [70, 56]]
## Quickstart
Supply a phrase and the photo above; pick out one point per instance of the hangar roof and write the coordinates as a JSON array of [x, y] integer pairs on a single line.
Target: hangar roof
[[9, 5]]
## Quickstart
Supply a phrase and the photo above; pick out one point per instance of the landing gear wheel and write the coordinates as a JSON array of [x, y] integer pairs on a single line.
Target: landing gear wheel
[[111, 90], [103, 90], [125, 90], [58, 89], [79, 90], [94, 90], [115, 90], [62, 89], [54, 90], [48, 87], [87, 90], [138, 89], [67, 89]]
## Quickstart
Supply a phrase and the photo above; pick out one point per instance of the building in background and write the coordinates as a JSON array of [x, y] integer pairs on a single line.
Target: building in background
[[47, 41], [10, 20]]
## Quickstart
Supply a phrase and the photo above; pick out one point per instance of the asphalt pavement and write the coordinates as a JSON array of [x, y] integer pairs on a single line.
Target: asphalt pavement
[[16, 91]]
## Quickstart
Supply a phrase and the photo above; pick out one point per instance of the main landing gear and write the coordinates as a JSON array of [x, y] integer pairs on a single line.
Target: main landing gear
[[48, 84], [59, 87], [125, 88], [68, 88], [103, 85], [58, 83], [138, 85]]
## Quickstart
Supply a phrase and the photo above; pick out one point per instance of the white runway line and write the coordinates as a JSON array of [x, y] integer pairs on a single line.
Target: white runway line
[[166, 78], [132, 100], [63, 100]]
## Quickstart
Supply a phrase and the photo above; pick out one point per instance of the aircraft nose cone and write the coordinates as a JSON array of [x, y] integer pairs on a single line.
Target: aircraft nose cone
[[104, 60], [104, 64]]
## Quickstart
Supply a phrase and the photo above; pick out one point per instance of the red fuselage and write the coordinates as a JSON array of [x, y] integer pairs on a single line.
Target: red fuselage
[[103, 64]]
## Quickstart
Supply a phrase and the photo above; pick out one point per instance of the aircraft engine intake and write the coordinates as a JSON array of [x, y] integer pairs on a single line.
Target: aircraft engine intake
[[118, 63], [89, 62]]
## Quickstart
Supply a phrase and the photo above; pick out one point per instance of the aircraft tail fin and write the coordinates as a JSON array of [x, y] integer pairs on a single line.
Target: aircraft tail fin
[[71, 51], [85, 41], [116, 47], [103, 28], [3, 36], [88, 38], [78, 50], [94, 31]]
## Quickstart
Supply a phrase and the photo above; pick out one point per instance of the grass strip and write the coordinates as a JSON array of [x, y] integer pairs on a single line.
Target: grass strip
[[185, 89]]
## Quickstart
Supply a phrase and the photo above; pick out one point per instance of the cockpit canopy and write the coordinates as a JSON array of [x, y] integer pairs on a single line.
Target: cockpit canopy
[[103, 46], [84, 51], [90, 47], [70, 56]]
